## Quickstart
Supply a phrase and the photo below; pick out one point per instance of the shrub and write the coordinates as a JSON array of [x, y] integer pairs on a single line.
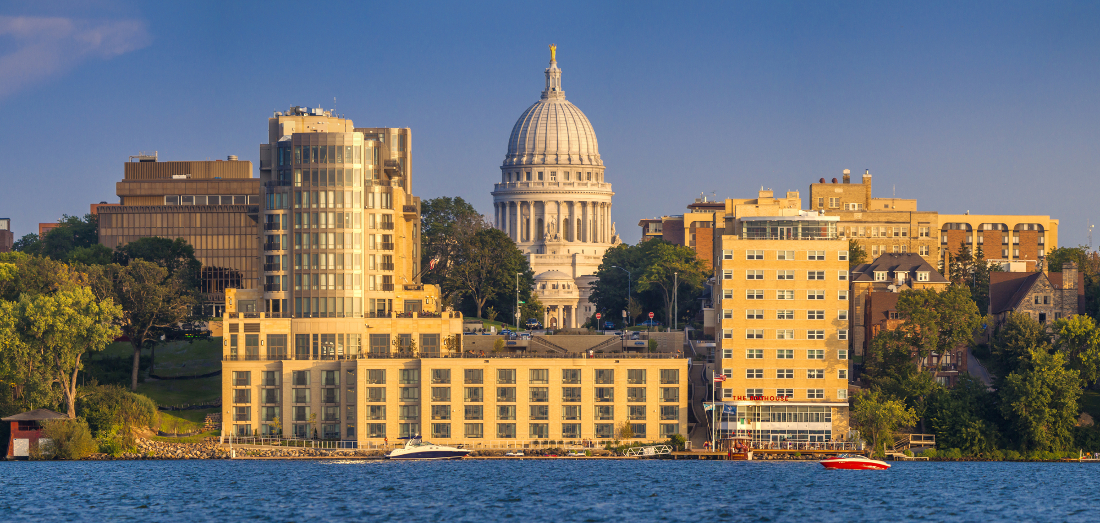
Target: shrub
[[113, 414], [996, 455], [930, 453], [1012, 455], [69, 439], [951, 454], [908, 453], [676, 441]]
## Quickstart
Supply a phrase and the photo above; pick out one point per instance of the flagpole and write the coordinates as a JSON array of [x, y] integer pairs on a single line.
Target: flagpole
[[713, 409]]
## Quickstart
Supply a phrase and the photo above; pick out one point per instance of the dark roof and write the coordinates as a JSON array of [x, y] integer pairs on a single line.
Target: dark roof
[[879, 304], [36, 415], [1007, 289], [901, 262]]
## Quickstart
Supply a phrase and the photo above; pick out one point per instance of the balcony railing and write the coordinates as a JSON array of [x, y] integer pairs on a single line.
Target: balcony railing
[[273, 247], [386, 246], [273, 287], [273, 226], [387, 287], [385, 266], [408, 209], [273, 267], [388, 226]]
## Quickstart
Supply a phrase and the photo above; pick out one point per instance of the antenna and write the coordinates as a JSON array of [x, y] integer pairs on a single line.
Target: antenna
[[1089, 222]]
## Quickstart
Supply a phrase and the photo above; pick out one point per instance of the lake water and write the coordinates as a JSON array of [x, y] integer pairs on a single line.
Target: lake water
[[535, 490]]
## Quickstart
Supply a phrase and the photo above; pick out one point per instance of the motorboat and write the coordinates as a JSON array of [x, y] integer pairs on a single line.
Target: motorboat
[[576, 454], [416, 448], [514, 454], [847, 462]]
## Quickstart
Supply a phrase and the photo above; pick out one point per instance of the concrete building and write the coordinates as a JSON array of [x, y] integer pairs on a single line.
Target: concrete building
[[879, 225], [7, 238], [782, 342], [552, 198], [887, 274], [692, 229], [1043, 296], [213, 205]]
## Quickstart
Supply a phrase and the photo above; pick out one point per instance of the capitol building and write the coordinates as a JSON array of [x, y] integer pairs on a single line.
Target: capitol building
[[552, 200]]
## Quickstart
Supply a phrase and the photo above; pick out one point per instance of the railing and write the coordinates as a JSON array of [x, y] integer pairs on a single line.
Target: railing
[[655, 450], [290, 442], [277, 183], [272, 267], [273, 247], [387, 287], [386, 246], [273, 226], [408, 209], [386, 226], [273, 287], [385, 266]]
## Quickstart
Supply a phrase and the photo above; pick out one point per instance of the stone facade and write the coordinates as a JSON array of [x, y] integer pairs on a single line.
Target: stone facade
[[1045, 297]]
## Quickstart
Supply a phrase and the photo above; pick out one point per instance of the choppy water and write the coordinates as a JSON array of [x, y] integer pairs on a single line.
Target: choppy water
[[534, 490]]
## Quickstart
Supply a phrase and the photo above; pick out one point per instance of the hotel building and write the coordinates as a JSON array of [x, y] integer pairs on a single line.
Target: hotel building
[[782, 303], [347, 344]]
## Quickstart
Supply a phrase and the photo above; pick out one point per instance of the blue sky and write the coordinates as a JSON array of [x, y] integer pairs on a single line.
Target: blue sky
[[986, 107]]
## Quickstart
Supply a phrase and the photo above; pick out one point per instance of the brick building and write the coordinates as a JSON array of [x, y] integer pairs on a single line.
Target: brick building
[[1043, 296]]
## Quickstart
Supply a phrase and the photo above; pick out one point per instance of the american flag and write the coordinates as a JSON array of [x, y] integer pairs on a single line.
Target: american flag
[[718, 378], [432, 263]]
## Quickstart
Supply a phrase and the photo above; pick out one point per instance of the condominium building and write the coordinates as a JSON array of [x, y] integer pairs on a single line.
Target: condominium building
[[213, 205], [1008, 240], [782, 301]]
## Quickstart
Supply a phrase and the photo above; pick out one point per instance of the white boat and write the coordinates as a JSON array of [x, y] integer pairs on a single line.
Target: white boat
[[416, 448], [847, 462], [514, 453]]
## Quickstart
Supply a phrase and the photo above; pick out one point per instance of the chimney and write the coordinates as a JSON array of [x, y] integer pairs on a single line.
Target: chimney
[[867, 189], [847, 176], [1069, 289]]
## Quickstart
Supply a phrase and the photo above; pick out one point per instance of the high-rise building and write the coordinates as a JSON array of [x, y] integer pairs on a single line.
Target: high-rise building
[[781, 299], [7, 238], [213, 205], [553, 201]]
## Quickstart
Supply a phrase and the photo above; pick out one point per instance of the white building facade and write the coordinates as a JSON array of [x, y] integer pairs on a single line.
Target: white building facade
[[553, 201]]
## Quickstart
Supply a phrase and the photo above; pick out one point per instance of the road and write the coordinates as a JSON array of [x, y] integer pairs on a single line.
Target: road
[[975, 368]]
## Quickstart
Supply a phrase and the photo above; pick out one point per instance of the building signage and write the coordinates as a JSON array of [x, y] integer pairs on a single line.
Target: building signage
[[761, 398]]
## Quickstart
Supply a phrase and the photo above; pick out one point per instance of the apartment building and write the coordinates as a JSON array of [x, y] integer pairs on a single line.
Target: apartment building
[[344, 342], [1004, 239], [213, 205], [783, 314], [874, 292]]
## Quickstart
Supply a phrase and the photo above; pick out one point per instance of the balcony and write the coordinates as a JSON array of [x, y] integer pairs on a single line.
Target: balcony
[[386, 246], [387, 287], [385, 266], [408, 209], [273, 287], [272, 226], [387, 226], [273, 246], [273, 267]]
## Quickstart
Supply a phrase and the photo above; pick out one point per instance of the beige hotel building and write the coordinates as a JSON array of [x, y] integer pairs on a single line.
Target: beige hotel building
[[341, 340], [782, 303]]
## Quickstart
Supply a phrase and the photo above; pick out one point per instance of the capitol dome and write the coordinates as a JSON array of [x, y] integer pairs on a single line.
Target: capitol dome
[[553, 131]]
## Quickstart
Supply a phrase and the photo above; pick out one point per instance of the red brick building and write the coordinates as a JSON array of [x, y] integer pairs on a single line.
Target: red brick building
[[26, 431]]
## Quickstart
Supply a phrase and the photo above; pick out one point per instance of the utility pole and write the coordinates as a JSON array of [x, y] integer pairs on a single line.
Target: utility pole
[[627, 292], [675, 299], [517, 301]]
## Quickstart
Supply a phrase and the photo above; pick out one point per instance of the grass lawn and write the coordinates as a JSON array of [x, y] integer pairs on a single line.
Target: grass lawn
[[188, 358], [486, 323], [175, 392], [190, 416], [1090, 402]]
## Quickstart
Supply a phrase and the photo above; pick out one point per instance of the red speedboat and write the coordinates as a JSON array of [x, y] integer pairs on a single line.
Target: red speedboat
[[854, 463]]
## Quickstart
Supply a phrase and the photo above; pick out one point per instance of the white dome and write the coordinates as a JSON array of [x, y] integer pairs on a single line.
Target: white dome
[[553, 131], [553, 275]]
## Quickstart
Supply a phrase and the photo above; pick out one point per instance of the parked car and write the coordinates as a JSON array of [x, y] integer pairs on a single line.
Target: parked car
[[650, 323], [607, 325], [533, 323]]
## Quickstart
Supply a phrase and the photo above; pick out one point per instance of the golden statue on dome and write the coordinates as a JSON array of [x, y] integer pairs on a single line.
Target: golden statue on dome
[[553, 52]]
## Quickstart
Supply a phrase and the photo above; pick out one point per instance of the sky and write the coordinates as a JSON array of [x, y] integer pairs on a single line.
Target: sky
[[986, 107]]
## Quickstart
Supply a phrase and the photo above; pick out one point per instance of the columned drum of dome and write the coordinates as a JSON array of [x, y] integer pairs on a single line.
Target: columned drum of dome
[[552, 198]]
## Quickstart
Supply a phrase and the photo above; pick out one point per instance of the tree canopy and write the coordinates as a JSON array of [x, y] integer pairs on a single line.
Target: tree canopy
[[653, 267]]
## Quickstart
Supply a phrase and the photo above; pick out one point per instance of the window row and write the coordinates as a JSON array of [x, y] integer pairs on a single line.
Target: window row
[[758, 274], [761, 294], [202, 199], [325, 154], [528, 176], [784, 354], [786, 334], [535, 431], [759, 254], [784, 314], [534, 394], [811, 394], [568, 376], [786, 374]]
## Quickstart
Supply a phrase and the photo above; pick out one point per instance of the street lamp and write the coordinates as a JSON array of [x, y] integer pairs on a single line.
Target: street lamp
[[627, 290]]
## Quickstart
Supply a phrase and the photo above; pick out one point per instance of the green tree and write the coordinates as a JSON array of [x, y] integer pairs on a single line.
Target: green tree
[[1016, 342], [116, 414], [856, 254], [609, 292], [152, 300], [937, 321], [175, 255], [1078, 338], [652, 265], [34, 275], [485, 267], [53, 332], [28, 243], [965, 417], [71, 233], [673, 272], [878, 416], [447, 225], [1040, 402], [94, 255]]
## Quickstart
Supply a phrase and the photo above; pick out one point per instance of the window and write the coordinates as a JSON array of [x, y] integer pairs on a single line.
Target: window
[[815, 315], [842, 334], [754, 374], [605, 394], [843, 295], [506, 430], [670, 394], [540, 376], [784, 354], [784, 314], [923, 250], [670, 412], [727, 314], [474, 430], [815, 354], [571, 376], [784, 374], [754, 354], [636, 376], [815, 394], [784, 334], [474, 412], [571, 394], [815, 255], [605, 412], [506, 394], [842, 354], [834, 202], [506, 376], [784, 275], [727, 354], [784, 295], [754, 294], [815, 374], [635, 412], [605, 376], [754, 275], [376, 394], [540, 394], [922, 276], [539, 412], [754, 393], [842, 275], [815, 295], [784, 255], [409, 412], [441, 430], [635, 394], [727, 255], [842, 394], [815, 275], [754, 334], [539, 430], [409, 376], [440, 411], [842, 374], [842, 314], [727, 274], [670, 376], [571, 430], [441, 394], [784, 393], [441, 375], [728, 373], [923, 232], [754, 255], [410, 394], [473, 394], [842, 255], [727, 334]]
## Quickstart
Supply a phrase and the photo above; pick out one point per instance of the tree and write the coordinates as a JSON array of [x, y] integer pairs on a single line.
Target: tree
[[652, 265], [34, 275], [53, 332], [1078, 338], [28, 243], [625, 430], [856, 254], [1016, 342], [68, 439], [485, 267], [447, 224], [1088, 264], [1040, 402], [152, 300], [937, 322], [71, 233], [963, 417], [95, 255], [878, 415], [175, 255], [669, 265]]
